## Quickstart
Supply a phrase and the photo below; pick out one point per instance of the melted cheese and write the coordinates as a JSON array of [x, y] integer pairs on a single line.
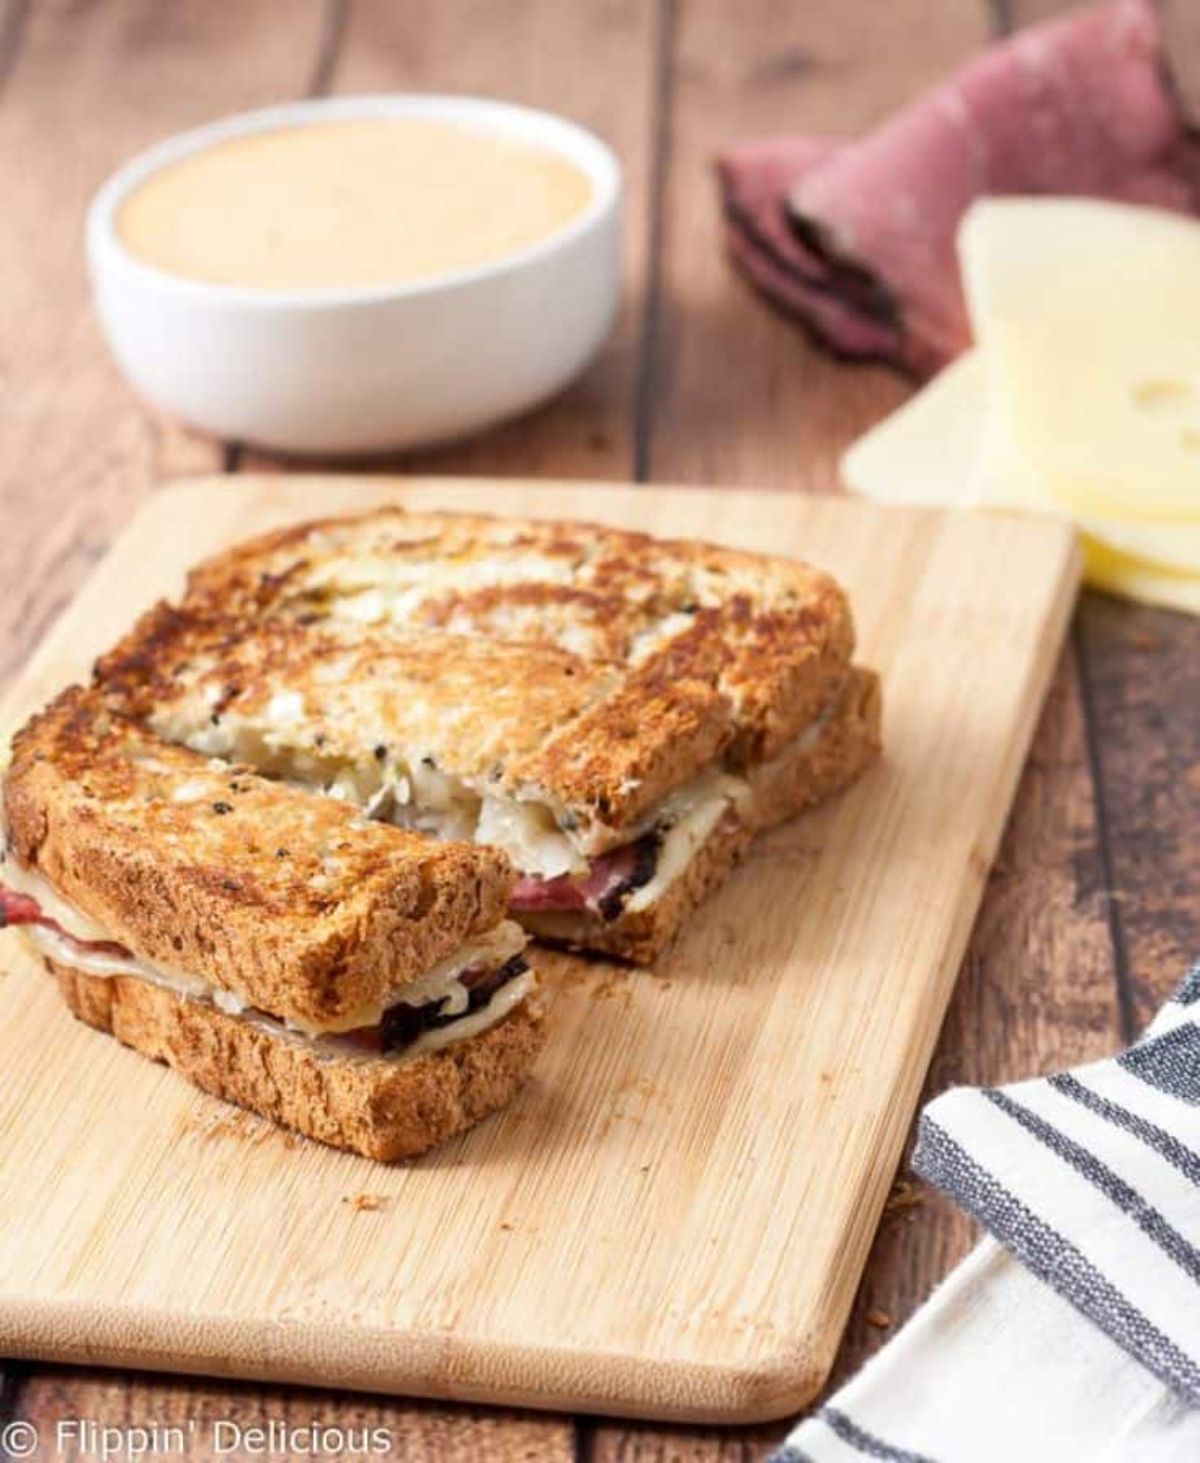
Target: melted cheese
[[529, 834], [442, 982], [506, 999], [407, 791], [96, 962], [684, 840]]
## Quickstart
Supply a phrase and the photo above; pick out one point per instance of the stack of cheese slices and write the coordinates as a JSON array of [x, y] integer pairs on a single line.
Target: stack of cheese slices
[[1081, 397]]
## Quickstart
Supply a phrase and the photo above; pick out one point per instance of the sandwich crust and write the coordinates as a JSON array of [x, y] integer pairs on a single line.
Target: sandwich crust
[[383, 1109], [295, 903], [813, 769], [822, 761], [598, 666]]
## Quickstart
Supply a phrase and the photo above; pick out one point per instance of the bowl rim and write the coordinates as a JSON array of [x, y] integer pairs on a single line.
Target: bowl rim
[[547, 129]]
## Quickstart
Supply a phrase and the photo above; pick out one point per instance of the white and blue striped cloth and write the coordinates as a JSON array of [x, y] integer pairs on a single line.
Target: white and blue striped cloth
[[1073, 1331]]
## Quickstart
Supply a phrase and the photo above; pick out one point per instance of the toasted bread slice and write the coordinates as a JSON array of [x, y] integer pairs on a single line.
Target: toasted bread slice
[[755, 628], [760, 631], [584, 670], [378, 1107], [809, 770], [518, 722], [296, 905]]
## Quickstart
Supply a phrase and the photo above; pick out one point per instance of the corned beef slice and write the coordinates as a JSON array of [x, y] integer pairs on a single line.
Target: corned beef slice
[[18, 909], [858, 238], [607, 874], [754, 179]]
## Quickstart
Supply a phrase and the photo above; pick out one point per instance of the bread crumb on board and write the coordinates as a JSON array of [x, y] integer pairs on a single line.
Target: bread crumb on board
[[365, 1203]]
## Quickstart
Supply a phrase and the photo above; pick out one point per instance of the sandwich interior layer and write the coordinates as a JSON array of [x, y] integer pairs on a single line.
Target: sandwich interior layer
[[604, 871], [462, 996]]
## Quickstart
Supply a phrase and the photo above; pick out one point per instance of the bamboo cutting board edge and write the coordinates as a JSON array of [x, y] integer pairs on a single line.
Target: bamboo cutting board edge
[[778, 1378], [365, 1359]]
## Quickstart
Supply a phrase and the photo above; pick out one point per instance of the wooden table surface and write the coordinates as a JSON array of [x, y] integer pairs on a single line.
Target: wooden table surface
[[1093, 909]]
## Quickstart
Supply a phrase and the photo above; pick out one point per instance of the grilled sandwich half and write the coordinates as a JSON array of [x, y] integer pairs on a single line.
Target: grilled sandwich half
[[348, 979], [619, 714]]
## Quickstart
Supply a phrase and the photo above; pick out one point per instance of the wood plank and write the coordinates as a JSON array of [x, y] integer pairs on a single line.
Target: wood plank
[[646, 1449], [545, 57], [1036, 992], [740, 395], [563, 58], [1046, 928], [1141, 685], [1142, 677], [86, 86], [651, 1210], [1141, 673], [598, 64], [1039, 987], [1181, 27], [215, 1418]]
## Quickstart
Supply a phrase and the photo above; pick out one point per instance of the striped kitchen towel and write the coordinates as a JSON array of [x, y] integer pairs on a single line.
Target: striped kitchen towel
[[1073, 1331]]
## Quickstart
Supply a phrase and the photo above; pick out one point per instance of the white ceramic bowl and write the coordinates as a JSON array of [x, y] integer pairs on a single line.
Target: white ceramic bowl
[[366, 369]]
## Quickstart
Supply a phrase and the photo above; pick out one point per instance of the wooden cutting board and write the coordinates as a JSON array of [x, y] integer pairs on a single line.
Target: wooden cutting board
[[672, 1219]]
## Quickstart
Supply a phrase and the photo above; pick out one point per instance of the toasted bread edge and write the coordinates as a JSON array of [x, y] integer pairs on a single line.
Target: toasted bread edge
[[849, 743], [380, 1108]]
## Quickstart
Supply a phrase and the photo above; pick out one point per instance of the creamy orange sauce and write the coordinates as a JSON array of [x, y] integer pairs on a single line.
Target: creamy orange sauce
[[359, 202]]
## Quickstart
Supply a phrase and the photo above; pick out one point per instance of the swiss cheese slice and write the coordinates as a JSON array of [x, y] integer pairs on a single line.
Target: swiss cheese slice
[[926, 451], [944, 447], [1088, 314], [1139, 579]]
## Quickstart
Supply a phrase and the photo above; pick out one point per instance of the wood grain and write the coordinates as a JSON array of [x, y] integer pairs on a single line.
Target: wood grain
[[85, 87], [80, 88], [1142, 674], [739, 395], [1037, 992], [698, 1247], [549, 55], [1039, 987], [209, 1411], [601, 65]]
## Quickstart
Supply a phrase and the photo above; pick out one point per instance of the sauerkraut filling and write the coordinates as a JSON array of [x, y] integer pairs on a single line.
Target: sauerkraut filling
[[408, 787], [565, 863]]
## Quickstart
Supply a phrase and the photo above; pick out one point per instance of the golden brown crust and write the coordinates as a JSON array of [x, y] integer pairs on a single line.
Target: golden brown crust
[[823, 761], [499, 716], [846, 742], [383, 1109], [602, 667], [294, 902]]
